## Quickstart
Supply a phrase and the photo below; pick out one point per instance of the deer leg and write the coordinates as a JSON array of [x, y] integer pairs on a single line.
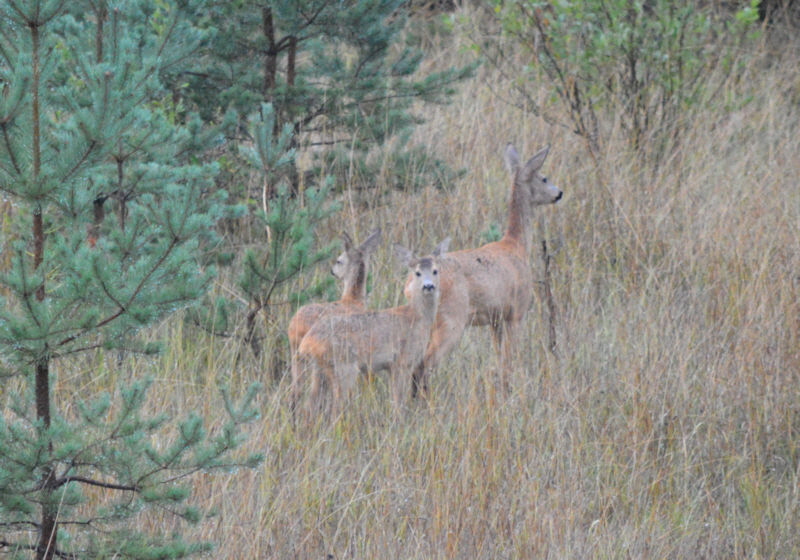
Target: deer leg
[[399, 379], [507, 337], [419, 382], [445, 336], [348, 378], [336, 391], [297, 385], [314, 404], [502, 336], [342, 380]]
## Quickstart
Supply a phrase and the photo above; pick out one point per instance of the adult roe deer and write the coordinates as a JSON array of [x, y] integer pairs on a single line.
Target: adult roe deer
[[492, 284], [351, 267], [339, 348]]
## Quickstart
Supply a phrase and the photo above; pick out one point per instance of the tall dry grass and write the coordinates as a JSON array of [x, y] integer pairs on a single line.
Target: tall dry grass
[[666, 425]]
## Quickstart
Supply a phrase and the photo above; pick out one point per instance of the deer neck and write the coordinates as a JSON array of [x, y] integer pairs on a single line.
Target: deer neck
[[425, 307], [519, 218], [355, 286]]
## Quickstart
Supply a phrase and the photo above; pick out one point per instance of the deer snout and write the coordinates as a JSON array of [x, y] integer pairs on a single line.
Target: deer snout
[[428, 287], [554, 193]]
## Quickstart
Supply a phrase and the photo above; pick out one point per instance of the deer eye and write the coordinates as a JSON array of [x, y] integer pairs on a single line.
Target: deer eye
[[435, 271], [418, 273], [544, 179]]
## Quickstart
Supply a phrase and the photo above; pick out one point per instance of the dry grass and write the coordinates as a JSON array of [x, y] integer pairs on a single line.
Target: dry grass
[[668, 424]]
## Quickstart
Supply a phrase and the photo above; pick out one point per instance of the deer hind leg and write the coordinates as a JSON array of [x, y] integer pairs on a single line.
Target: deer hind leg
[[399, 380], [317, 394], [343, 379], [297, 384], [306, 388], [505, 335]]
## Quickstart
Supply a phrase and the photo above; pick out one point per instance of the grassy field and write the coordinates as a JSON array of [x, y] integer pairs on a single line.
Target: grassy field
[[666, 424]]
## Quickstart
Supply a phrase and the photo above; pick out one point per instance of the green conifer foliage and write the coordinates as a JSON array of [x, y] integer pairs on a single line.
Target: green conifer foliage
[[108, 215], [341, 73], [289, 221]]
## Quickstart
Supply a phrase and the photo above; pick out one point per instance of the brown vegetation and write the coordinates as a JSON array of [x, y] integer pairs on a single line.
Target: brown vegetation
[[668, 425]]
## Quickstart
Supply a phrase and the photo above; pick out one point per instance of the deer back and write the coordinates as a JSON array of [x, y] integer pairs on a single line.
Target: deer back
[[351, 267], [378, 340], [494, 282]]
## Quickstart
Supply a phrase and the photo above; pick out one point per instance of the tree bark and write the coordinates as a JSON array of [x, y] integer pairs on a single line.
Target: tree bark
[[47, 532], [291, 61], [271, 56]]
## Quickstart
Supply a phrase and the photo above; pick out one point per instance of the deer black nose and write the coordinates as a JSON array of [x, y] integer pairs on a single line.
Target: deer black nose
[[428, 287], [558, 196]]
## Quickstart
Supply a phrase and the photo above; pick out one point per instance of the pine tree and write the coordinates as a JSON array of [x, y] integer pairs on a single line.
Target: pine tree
[[289, 223], [340, 79], [341, 73], [85, 123]]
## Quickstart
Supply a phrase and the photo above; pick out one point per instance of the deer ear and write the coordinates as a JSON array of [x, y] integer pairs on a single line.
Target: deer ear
[[348, 242], [372, 241], [534, 164], [403, 255], [512, 159], [441, 248]]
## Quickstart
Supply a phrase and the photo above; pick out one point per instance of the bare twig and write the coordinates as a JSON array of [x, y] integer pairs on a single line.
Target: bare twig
[[549, 300]]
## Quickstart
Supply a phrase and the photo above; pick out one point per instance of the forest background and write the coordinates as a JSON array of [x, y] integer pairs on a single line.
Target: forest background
[[176, 176]]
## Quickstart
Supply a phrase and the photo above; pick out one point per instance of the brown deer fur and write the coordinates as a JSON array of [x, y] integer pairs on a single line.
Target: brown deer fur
[[492, 284], [339, 348]]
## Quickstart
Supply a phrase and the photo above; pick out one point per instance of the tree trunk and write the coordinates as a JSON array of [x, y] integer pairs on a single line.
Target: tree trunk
[[251, 337], [47, 532], [291, 61], [271, 56]]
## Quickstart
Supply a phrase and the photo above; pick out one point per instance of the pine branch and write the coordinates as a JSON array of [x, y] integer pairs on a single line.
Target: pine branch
[[91, 482]]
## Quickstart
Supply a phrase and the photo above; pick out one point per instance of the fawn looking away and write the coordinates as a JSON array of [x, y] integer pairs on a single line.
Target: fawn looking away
[[492, 284], [351, 267], [339, 348]]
